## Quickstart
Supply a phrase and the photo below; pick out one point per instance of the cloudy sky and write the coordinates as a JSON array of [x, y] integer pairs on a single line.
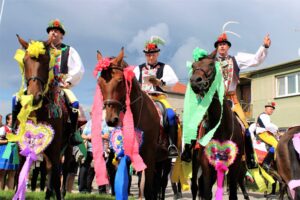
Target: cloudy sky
[[108, 25]]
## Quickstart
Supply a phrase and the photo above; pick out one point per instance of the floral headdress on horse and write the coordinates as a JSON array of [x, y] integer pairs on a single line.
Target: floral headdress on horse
[[151, 46]]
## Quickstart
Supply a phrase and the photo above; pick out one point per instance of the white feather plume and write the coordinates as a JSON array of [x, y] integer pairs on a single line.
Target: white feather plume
[[231, 32]]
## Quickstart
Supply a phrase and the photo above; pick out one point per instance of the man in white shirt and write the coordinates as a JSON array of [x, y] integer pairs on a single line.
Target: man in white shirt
[[68, 70], [265, 130], [153, 75], [231, 66]]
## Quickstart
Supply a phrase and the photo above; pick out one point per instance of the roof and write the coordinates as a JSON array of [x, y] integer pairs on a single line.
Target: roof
[[178, 88]]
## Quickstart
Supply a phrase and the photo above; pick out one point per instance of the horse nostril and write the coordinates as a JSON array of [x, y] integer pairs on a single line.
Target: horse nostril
[[198, 80], [115, 120]]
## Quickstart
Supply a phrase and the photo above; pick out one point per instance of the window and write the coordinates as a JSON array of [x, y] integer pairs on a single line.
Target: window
[[288, 85]]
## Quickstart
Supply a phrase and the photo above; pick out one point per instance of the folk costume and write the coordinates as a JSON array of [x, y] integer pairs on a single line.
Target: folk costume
[[231, 66], [68, 67], [167, 77], [8, 160], [266, 130]]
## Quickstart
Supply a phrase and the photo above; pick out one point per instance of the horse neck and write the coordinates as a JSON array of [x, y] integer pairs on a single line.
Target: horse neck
[[214, 113], [136, 96], [142, 103]]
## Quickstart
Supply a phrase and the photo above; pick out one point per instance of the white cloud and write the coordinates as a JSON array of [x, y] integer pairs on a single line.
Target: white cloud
[[183, 54], [138, 41]]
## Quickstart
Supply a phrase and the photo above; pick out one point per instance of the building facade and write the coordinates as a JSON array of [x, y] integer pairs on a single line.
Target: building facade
[[279, 83]]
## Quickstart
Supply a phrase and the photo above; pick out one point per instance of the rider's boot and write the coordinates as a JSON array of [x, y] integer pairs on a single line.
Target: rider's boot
[[74, 118], [172, 149], [187, 153], [268, 159], [16, 107]]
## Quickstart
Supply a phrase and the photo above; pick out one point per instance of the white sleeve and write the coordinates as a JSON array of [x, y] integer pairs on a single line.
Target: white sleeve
[[136, 71], [245, 60], [75, 67], [269, 126], [169, 76], [2, 131]]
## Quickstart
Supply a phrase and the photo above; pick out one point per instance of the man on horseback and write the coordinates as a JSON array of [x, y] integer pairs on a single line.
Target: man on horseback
[[265, 130], [231, 66], [68, 69], [153, 76]]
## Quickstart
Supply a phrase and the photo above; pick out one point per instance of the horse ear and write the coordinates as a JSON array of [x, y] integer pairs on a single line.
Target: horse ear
[[119, 58], [213, 54], [99, 55], [22, 42]]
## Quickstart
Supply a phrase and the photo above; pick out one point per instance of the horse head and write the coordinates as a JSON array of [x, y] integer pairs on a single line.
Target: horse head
[[203, 74], [36, 68], [112, 84]]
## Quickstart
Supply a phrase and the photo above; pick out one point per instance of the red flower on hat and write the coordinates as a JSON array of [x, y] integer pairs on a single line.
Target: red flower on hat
[[222, 37], [151, 46], [273, 104], [56, 23]]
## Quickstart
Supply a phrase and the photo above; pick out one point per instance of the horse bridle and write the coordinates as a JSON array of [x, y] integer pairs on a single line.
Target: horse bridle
[[209, 77], [36, 78], [109, 102]]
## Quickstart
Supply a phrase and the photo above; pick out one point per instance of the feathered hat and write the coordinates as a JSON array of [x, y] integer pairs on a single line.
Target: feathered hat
[[223, 36], [56, 24], [271, 104], [151, 46]]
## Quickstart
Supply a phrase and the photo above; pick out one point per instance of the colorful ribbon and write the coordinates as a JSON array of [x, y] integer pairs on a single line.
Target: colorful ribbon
[[296, 142], [122, 179], [30, 157], [221, 168], [131, 145], [195, 109], [100, 167]]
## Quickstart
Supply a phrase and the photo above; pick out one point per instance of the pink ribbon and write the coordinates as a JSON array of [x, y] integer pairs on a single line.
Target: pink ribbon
[[100, 167], [30, 157], [296, 142], [221, 168], [131, 146]]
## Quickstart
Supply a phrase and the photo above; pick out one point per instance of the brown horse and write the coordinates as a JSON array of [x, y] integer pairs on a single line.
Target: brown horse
[[36, 72], [288, 162], [202, 78], [145, 115]]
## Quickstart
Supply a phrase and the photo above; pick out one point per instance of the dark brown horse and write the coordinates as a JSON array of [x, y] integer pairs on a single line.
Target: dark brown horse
[[145, 115], [288, 162], [202, 78], [36, 72]]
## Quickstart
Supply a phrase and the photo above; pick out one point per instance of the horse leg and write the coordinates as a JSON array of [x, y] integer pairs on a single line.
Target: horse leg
[[233, 175], [149, 177], [195, 169], [207, 178], [157, 186], [241, 181], [165, 177]]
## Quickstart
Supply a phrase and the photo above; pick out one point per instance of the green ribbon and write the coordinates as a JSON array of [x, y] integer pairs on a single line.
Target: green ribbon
[[195, 108], [11, 148]]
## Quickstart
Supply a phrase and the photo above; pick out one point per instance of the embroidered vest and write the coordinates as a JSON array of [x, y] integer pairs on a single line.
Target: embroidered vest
[[156, 71], [230, 71], [64, 58], [159, 72]]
